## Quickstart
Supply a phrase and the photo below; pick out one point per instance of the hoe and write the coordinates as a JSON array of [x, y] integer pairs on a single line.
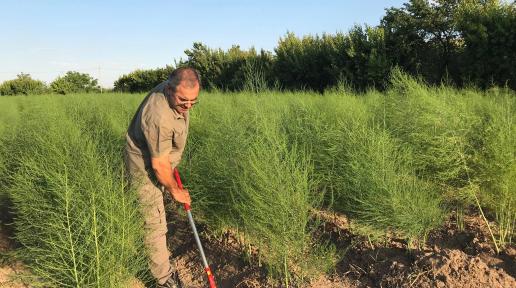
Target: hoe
[[211, 278]]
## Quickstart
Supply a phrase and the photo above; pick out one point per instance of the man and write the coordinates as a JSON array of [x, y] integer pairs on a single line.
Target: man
[[156, 140]]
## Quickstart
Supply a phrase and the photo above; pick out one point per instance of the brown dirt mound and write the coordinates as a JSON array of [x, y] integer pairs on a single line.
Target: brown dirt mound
[[451, 258], [454, 268]]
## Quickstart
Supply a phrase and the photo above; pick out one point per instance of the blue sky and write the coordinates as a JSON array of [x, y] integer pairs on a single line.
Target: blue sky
[[109, 38]]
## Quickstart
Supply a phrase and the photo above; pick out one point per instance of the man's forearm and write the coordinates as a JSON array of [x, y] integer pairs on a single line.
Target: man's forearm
[[167, 180], [164, 174]]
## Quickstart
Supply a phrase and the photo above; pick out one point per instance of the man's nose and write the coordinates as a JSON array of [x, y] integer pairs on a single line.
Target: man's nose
[[188, 105]]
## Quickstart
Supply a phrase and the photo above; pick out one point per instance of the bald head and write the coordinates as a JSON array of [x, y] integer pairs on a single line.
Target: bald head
[[186, 76]]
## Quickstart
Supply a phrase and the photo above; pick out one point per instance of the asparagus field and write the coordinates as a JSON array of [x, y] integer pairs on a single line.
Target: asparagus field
[[263, 167]]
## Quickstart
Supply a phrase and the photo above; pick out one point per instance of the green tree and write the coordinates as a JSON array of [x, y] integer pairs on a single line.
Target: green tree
[[142, 80], [422, 37], [489, 32], [74, 82], [300, 62], [23, 84], [229, 70], [319, 62]]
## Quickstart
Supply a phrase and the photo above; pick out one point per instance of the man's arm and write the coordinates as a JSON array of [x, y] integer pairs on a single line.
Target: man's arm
[[164, 174]]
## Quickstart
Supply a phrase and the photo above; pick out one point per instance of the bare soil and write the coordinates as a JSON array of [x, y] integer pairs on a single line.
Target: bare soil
[[224, 253], [9, 268], [449, 258]]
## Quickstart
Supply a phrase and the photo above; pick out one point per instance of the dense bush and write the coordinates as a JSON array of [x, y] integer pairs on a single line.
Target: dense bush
[[234, 69], [492, 160], [9, 118], [142, 80], [23, 84], [74, 82], [434, 122], [255, 182], [489, 33], [362, 169], [462, 141], [317, 63]]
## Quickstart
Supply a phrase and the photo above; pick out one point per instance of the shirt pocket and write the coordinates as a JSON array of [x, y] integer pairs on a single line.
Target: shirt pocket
[[179, 139]]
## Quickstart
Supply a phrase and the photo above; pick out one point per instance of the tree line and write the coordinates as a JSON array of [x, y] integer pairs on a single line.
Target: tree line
[[71, 82], [458, 42]]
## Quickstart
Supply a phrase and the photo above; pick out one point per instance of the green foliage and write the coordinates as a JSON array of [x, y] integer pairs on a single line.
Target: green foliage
[[492, 145], [250, 179], [381, 190], [257, 164], [230, 70], [9, 118], [463, 42], [422, 38], [460, 140], [255, 76], [430, 121], [22, 85], [142, 80], [274, 202], [74, 82], [488, 29], [321, 62], [75, 219], [365, 172]]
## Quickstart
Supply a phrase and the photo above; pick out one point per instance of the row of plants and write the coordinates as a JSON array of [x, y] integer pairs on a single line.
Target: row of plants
[[75, 219], [260, 165], [395, 163]]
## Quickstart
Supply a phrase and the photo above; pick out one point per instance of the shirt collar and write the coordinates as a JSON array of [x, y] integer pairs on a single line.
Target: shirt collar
[[178, 115]]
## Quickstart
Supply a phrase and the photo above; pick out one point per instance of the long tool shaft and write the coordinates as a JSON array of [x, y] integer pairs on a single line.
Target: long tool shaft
[[211, 278]]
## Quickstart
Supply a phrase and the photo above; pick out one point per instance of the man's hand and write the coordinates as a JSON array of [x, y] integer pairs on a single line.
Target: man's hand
[[181, 195], [163, 172]]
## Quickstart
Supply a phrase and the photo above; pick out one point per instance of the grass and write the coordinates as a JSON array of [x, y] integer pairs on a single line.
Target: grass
[[396, 163]]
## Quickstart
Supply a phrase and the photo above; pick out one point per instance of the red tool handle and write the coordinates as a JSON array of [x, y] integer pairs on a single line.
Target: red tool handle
[[211, 278], [180, 185]]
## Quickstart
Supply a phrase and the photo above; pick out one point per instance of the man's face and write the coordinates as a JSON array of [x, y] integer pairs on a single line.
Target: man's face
[[184, 98]]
